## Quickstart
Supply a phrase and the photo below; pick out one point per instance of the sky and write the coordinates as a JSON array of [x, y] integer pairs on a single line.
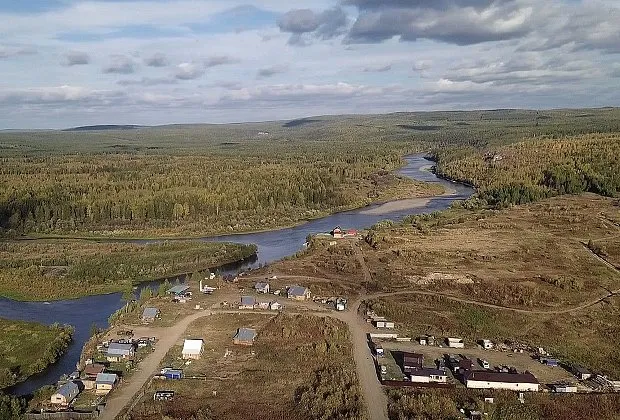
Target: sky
[[67, 63]]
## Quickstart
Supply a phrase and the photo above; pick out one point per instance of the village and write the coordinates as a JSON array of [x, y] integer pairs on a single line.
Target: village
[[106, 377]]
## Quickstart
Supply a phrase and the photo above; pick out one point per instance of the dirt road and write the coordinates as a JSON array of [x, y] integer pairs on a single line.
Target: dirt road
[[126, 393]]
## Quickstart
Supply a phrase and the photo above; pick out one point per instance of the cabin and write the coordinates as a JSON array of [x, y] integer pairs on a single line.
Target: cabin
[[91, 371], [428, 375], [247, 302], [261, 287], [298, 293], [483, 379], [192, 349], [105, 382], [245, 336], [118, 352], [65, 394], [337, 232], [149, 315], [455, 343]]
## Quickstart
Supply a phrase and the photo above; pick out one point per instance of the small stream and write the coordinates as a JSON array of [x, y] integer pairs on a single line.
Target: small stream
[[273, 245]]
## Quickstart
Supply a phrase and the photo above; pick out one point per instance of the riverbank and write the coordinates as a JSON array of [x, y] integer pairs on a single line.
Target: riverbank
[[53, 270], [28, 348]]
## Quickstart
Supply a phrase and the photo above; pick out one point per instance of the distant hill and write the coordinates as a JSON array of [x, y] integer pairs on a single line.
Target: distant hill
[[104, 127]]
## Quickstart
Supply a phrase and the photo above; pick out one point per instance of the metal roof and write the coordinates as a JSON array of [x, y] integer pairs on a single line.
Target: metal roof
[[297, 291], [180, 288], [248, 300], [245, 334], [192, 346], [120, 349], [106, 378], [261, 285], [150, 313], [513, 378], [428, 372], [68, 390]]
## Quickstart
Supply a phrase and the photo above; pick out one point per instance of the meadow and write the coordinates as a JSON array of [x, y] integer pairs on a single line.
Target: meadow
[[27, 348], [51, 269]]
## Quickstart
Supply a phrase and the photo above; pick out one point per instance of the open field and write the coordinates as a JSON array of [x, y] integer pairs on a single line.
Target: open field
[[293, 361], [46, 270], [515, 274], [27, 348]]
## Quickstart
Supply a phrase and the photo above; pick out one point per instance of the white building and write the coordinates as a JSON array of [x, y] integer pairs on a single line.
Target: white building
[[428, 375], [192, 349], [455, 343], [482, 379], [486, 344]]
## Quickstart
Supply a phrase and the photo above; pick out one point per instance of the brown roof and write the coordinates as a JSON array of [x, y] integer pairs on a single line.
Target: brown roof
[[513, 378], [94, 369], [412, 355]]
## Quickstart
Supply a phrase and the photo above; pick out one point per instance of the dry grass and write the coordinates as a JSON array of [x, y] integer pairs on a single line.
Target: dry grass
[[258, 382]]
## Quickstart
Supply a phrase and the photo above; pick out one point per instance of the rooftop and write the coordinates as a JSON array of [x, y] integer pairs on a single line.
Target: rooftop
[[428, 372], [248, 300], [106, 378], [178, 289], [67, 389], [120, 348], [297, 291], [192, 345], [513, 378], [150, 312], [245, 334], [93, 369]]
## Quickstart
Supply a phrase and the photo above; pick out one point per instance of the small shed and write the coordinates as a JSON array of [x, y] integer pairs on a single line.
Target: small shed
[[245, 336], [550, 362], [455, 343], [150, 314], [412, 361], [172, 373], [486, 344], [247, 302], [298, 293], [163, 396], [192, 349], [275, 306], [261, 287], [65, 394], [105, 383]]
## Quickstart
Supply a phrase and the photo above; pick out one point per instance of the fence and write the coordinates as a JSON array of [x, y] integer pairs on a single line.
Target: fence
[[417, 384], [62, 415]]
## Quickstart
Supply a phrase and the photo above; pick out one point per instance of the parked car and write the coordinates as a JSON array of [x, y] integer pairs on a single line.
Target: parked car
[[485, 364]]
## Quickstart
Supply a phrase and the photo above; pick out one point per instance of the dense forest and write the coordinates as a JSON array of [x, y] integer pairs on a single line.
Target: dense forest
[[45, 270], [203, 179], [27, 348], [538, 168]]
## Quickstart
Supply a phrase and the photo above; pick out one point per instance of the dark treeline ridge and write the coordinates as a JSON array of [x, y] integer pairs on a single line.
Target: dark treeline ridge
[[239, 177], [538, 168], [28, 348], [45, 270]]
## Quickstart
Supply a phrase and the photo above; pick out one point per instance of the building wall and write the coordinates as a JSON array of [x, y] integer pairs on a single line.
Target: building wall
[[501, 385], [191, 356], [58, 399], [420, 379], [102, 389]]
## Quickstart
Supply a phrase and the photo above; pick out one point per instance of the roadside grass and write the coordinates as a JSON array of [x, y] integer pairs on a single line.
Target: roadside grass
[[50, 270], [27, 348], [294, 363], [405, 404]]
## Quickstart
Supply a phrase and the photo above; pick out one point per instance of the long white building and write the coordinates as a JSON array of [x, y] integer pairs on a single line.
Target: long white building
[[482, 379]]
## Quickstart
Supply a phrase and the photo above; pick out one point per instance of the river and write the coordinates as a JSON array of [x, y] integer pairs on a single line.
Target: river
[[272, 245]]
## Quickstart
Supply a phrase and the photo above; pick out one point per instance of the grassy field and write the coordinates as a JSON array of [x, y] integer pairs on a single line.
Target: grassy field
[[27, 348], [299, 368], [44, 270]]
